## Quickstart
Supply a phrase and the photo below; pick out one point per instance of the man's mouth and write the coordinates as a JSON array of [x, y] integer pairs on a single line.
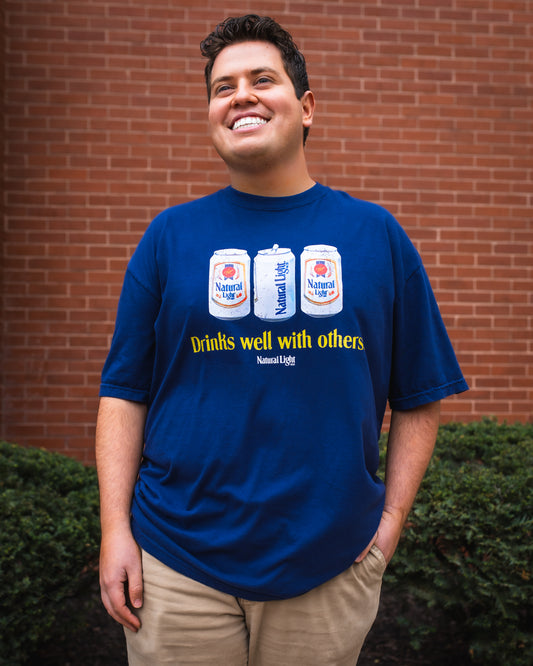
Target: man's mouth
[[248, 121]]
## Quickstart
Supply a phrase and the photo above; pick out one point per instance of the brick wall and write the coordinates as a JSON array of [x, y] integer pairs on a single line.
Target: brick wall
[[424, 107]]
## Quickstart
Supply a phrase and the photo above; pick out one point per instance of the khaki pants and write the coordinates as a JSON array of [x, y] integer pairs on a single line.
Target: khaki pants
[[185, 622]]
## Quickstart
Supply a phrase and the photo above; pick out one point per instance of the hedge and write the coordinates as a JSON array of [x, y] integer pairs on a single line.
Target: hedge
[[467, 547], [49, 543]]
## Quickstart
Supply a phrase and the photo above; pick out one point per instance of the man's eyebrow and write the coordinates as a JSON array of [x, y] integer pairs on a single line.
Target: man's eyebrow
[[254, 72]]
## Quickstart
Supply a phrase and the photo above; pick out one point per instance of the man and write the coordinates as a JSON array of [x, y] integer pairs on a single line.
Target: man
[[243, 521]]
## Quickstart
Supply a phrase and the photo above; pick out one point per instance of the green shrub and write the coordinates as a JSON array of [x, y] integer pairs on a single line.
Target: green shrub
[[468, 543], [466, 549], [48, 542]]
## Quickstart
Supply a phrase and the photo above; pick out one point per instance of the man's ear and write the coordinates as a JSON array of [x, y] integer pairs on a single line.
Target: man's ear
[[308, 108]]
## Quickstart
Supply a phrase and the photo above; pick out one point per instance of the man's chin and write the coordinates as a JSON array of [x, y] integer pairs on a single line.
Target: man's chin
[[250, 157]]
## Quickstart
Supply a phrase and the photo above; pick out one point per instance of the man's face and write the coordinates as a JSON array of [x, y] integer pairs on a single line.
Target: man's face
[[255, 118]]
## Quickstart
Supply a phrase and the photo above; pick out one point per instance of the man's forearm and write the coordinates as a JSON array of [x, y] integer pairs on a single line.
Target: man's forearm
[[119, 446], [412, 438], [411, 442]]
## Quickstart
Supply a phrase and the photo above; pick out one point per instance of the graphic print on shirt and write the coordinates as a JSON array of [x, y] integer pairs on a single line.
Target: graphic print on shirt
[[274, 283], [229, 284], [321, 281]]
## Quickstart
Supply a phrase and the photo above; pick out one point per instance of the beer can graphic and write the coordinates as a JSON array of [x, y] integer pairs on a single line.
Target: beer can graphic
[[229, 284], [321, 281], [274, 284]]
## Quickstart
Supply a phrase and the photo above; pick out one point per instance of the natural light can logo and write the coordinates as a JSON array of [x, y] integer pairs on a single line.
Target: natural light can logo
[[321, 281], [229, 284], [274, 284]]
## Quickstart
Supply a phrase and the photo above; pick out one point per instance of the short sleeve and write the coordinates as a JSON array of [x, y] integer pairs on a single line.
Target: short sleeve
[[424, 365], [129, 367]]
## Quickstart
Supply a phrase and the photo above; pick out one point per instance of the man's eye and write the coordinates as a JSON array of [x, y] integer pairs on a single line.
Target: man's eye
[[221, 90]]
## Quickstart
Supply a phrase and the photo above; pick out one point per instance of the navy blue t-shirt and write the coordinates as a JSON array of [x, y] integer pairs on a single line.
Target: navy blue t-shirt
[[259, 475]]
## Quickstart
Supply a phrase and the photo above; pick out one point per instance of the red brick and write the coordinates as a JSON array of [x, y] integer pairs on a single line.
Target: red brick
[[424, 109]]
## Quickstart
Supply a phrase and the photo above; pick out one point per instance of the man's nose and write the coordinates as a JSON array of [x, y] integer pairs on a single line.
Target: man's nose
[[244, 94]]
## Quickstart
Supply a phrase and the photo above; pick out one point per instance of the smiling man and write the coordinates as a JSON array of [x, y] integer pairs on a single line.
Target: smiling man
[[243, 518], [257, 121]]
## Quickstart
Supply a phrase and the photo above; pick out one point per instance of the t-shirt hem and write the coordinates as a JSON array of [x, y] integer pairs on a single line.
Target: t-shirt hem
[[123, 392], [178, 564], [429, 395]]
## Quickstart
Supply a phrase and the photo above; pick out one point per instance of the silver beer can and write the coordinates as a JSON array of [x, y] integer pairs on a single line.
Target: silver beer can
[[321, 288], [274, 284], [229, 284]]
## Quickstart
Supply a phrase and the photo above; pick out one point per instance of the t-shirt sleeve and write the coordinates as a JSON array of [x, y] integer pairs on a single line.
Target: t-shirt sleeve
[[128, 369], [424, 365]]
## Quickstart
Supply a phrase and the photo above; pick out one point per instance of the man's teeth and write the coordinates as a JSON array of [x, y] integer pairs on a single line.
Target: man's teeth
[[249, 122]]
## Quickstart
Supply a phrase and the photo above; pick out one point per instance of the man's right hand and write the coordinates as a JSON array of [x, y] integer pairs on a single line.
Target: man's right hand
[[121, 580]]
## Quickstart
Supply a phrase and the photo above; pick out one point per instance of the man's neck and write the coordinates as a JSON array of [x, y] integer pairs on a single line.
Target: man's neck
[[272, 190], [272, 183]]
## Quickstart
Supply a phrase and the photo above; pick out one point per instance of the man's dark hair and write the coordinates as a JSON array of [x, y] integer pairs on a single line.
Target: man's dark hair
[[257, 28]]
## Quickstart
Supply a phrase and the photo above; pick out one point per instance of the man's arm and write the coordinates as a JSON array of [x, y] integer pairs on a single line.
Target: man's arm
[[119, 446], [411, 442]]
